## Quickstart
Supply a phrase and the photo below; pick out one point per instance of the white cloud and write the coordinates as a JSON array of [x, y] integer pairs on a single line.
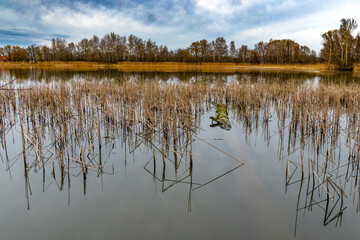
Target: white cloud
[[245, 21], [217, 6], [306, 30], [227, 7], [85, 21], [7, 16]]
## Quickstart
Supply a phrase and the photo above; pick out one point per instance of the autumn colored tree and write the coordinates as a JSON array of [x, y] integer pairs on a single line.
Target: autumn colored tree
[[204, 49], [195, 49], [18, 54], [339, 45]]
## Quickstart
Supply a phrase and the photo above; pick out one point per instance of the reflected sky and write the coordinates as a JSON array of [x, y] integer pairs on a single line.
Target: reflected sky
[[134, 198]]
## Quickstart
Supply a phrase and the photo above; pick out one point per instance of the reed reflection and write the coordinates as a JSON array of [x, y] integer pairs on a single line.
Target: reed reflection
[[69, 130]]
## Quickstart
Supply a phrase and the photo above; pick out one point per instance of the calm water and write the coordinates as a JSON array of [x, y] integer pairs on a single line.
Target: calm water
[[132, 197]]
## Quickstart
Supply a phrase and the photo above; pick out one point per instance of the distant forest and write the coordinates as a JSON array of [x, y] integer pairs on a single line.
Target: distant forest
[[340, 47]]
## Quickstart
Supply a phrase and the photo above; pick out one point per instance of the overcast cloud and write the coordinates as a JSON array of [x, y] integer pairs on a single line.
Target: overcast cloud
[[175, 23]]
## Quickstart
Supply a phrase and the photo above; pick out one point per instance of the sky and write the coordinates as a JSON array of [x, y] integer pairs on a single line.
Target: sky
[[175, 23]]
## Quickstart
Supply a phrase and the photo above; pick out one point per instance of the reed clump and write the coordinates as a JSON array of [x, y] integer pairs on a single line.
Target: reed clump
[[67, 126], [313, 110], [317, 111]]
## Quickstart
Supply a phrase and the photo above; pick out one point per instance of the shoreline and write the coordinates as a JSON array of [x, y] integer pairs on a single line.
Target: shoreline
[[169, 66]]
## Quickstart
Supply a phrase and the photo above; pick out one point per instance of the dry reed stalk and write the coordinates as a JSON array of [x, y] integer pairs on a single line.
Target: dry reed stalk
[[163, 116]]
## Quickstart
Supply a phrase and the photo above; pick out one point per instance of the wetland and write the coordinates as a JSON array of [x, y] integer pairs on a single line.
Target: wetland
[[105, 154]]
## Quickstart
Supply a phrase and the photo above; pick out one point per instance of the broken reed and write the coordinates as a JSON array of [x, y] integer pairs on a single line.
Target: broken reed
[[62, 123]]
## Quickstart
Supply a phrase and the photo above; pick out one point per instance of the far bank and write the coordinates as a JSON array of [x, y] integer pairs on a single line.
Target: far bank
[[169, 66]]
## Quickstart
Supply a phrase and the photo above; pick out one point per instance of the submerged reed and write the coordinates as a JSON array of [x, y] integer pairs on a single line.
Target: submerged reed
[[68, 126]]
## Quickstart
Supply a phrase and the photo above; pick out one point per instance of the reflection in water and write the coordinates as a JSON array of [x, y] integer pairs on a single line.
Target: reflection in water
[[68, 130], [48, 76]]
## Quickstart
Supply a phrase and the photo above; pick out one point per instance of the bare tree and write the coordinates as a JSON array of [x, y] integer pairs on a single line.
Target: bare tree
[[7, 51], [260, 47], [244, 53], [31, 53], [221, 48], [58, 49], [233, 51]]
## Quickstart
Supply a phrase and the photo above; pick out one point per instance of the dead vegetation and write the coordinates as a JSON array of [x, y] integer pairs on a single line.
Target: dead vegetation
[[67, 129], [165, 66]]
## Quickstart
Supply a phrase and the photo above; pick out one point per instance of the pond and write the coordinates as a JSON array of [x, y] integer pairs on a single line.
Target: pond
[[109, 154]]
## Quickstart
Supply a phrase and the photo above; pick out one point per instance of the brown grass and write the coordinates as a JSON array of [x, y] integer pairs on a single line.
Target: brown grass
[[213, 67], [63, 125], [320, 112], [53, 65], [166, 66]]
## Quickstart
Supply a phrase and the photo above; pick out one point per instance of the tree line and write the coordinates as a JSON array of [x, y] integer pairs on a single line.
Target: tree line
[[340, 47], [114, 48]]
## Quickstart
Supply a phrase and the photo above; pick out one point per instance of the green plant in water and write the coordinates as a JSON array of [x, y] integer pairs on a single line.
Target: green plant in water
[[221, 118]]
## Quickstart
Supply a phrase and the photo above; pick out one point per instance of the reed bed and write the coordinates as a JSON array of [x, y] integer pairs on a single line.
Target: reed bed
[[165, 66], [68, 129]]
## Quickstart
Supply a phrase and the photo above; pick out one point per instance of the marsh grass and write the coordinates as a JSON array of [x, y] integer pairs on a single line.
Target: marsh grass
[[165, 66], [69, 129]]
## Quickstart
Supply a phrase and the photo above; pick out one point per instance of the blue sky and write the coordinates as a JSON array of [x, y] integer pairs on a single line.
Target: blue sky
[[175, 23]]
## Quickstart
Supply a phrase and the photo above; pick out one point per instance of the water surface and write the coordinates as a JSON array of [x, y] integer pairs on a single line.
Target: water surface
[[242, 183]]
